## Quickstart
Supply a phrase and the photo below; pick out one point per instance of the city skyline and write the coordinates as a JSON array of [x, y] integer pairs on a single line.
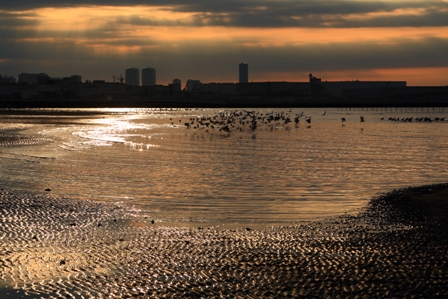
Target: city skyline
[[338, 40]]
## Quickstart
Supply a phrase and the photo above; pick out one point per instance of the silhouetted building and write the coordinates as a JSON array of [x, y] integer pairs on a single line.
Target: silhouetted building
[[219, 88], [73, 79], [244, 73], [177, 85], [132, 76], [353, 90], [55, 81], [338, 88], [193, 85], [41, 78], [8, 79], [148, 76], [97, 88], [274, 88]]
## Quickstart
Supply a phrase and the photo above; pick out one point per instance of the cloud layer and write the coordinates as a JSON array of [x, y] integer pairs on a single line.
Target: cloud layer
[[270, 13]]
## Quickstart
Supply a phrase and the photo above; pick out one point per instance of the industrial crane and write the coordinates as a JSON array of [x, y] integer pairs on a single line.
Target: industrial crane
[[121, 78]]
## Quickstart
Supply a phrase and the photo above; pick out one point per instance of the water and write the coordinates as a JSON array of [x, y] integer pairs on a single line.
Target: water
[[274, 175]]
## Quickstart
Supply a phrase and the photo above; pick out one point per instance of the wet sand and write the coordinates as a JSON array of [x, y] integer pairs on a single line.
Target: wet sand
[[61, 248]]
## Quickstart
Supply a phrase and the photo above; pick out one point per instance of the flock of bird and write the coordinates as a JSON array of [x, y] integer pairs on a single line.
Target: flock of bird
[[243, 120], [416, 119]]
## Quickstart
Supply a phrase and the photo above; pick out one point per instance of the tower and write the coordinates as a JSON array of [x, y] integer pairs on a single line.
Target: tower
[[244, 73], [177, 85], [132, 76], [148, 76]]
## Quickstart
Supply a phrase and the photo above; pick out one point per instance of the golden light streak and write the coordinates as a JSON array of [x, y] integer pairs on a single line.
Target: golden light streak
[[87, 18], [250, 37], [158, 24], [100, 49], [408, 12]]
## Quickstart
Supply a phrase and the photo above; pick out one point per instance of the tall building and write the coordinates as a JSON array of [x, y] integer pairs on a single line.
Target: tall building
[[177, 85], [244, 73], [148, 76], [132, 76]]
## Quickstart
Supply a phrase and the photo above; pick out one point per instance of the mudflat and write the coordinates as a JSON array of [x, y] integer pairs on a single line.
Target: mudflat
[[59, 247]]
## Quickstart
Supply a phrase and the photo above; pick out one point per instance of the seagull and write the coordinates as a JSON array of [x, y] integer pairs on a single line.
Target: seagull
[[225, 129]]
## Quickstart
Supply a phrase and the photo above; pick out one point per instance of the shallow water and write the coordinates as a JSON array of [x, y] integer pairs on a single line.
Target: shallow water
[[276, 174]]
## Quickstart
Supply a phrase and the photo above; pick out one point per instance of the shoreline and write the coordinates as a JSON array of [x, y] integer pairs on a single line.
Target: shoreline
[[395, 247]]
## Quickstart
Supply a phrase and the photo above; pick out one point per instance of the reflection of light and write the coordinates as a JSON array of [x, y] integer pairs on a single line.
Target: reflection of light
[[140, 146], [107, 131], [126, 127], [114, 123], [118, 110]]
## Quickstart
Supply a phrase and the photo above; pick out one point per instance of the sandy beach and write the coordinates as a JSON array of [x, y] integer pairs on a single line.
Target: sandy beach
[[61, 248]]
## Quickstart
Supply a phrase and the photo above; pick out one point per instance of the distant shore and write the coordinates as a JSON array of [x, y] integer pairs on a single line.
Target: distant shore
[[205, 101], [396, 247]]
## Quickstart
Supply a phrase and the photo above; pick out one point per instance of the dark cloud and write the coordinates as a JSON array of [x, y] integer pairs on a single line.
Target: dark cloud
[[17, 20], [329, 14], [273, 13]]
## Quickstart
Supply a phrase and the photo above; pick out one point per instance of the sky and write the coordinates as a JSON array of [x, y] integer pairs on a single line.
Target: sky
[[280, 40]]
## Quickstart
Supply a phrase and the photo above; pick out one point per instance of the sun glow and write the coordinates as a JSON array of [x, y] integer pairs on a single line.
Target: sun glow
[[141, 24], [86, 18]]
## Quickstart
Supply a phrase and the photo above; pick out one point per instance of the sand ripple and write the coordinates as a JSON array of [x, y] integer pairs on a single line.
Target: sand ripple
[[7, 140], [56, 247]]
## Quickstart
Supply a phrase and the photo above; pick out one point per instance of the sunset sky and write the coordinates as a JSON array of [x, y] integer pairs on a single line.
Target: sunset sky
[[281, 40]]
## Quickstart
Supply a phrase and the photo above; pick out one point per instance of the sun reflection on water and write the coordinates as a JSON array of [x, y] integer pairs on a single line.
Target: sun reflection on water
[[273, 174]]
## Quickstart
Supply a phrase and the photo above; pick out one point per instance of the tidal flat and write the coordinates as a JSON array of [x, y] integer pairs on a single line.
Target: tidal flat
[[54, 247]]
